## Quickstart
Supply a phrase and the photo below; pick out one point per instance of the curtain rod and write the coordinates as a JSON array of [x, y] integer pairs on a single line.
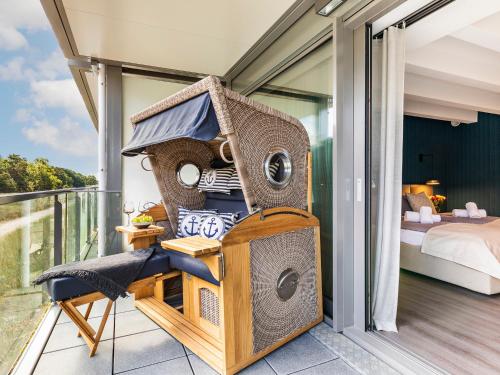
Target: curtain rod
[[417, 15]]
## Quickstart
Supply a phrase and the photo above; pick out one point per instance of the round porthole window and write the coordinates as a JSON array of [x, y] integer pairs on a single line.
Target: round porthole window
[[278, 168], [188, 175]]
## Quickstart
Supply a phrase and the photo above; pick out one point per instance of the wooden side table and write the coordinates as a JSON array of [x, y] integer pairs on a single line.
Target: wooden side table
[[141, 238]]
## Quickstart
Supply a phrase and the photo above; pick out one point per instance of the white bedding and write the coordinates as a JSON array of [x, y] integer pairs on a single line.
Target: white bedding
[[412, 237], [463, 247]]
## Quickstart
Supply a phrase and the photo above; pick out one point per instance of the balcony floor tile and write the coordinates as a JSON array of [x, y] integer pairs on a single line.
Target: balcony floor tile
[[177, 366], [142, 349], [125, 304], [303, 352], [130, 322], [65, 335], [76, 361]]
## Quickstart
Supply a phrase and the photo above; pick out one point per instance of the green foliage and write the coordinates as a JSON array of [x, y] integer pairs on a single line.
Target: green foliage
[[17, 174]]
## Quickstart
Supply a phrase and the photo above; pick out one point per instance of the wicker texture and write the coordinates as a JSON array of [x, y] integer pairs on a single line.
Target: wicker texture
[[209, 306], [166, 158], [168, 234], [252, 130], [257, 133], [274, 319]]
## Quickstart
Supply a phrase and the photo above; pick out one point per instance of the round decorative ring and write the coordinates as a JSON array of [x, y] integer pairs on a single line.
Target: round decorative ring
[[181, 179], [279, 156], [142, 163], [221, 152]]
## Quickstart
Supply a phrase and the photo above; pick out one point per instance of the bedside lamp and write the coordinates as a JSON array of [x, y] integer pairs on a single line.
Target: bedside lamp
[[433, 182]]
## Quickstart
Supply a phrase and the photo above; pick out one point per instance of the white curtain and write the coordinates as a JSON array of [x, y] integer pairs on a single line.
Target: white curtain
[[388, 83]]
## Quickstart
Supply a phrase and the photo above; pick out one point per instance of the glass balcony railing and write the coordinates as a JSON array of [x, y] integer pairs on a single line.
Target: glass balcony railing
[[37, 231]]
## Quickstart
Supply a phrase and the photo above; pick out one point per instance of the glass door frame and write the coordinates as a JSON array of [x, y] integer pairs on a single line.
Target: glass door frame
[[356, 82]]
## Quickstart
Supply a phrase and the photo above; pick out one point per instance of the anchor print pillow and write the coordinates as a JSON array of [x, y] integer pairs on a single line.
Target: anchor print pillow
[[189, 221], [216, 180], [215, 225]]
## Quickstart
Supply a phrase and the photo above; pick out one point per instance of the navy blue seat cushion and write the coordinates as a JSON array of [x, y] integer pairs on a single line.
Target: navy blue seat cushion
[[234, 203], [193, 266], [68, 287]]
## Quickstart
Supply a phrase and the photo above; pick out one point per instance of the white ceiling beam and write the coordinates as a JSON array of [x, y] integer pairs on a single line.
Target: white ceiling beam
[[457, 60], [431, 90], [447, 20], [438, 112]]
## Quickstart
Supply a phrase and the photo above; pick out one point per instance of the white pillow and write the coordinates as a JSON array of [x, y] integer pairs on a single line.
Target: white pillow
[[189, 221], [214, 226]]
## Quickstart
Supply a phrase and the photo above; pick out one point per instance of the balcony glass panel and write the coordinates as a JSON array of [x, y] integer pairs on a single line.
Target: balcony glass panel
[[29, 243]]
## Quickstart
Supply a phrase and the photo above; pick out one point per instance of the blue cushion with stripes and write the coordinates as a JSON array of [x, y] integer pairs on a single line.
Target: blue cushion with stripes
[[216, 180]]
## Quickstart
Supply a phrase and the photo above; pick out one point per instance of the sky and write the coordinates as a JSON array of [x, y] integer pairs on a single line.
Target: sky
[[41, 111]]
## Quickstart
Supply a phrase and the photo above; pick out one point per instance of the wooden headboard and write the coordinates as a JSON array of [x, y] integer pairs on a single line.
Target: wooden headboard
[[415, 189]]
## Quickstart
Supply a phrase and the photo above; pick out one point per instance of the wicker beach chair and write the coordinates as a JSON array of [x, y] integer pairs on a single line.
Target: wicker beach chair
[[259, 285]]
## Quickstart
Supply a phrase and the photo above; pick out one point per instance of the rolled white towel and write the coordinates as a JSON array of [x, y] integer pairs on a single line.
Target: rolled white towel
[[426, 215], [436, 218], [412, 216], [459, 212], [472, 210], [483, 212]]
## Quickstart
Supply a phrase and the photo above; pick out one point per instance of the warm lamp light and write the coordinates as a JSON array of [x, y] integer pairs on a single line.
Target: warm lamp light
[[433, 182]]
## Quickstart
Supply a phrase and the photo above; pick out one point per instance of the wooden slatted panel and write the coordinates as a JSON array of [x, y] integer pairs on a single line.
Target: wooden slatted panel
[[195, 246]]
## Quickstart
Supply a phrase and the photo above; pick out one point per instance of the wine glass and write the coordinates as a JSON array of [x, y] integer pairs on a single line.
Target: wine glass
[[128, 208], [144, 206]]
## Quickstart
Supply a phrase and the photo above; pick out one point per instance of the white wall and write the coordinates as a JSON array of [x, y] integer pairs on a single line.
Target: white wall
[[139, 93]]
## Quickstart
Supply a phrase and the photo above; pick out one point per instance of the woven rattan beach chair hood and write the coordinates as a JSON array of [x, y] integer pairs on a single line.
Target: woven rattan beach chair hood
[[191, 125]]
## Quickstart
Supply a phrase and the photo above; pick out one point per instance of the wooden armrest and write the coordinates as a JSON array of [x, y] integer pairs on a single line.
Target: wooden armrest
[[157, 212], [132, 232], [195, 246]]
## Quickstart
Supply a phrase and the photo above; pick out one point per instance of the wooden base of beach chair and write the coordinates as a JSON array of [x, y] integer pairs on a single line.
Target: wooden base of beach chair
[[143, 288]]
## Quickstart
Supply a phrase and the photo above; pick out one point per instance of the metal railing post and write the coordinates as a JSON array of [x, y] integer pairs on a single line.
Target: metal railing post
[[58, 219], [78, 221], [89, 218], [25, 245]]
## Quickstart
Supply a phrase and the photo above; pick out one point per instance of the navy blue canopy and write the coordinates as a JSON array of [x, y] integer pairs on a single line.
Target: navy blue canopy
[[194, 118]]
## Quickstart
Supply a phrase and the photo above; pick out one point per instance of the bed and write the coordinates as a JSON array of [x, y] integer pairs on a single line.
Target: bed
[[456, 250]]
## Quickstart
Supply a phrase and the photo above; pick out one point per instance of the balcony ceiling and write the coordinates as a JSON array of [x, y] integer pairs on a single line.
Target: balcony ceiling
[[193, 36], [453, 62]]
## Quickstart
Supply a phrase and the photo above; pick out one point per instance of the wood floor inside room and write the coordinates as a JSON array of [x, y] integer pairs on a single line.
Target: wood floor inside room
[[452, 327]]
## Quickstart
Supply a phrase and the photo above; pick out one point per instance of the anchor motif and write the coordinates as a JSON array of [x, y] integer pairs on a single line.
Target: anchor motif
[[210, 224], [194, 226], [210, 177]]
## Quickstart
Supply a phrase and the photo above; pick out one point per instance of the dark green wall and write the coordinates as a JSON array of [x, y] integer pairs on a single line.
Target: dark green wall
[[465, 159]]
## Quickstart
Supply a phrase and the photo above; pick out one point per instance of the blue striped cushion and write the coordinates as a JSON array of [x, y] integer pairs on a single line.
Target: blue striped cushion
[[216, 180], [214, 226], [189, 221], [234, 181]]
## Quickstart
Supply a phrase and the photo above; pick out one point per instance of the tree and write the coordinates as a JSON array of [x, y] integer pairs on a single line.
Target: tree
[[17, 167], [41, 176], [7, 183], [17, 174]]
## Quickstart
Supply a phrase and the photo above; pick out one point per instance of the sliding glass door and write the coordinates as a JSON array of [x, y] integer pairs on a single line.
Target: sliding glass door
[[304, 90]]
